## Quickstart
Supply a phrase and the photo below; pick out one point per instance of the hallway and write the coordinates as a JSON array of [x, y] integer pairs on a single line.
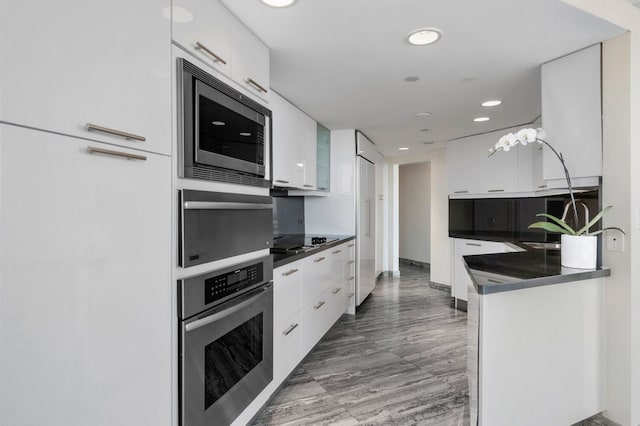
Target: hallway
[[401, 360]]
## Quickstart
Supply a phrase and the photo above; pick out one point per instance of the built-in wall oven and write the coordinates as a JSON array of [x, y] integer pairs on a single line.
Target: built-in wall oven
[[222, 134], [226, 341], [216, 225]]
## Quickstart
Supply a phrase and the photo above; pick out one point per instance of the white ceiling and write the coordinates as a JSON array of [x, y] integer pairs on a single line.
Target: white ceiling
[[344, 62]]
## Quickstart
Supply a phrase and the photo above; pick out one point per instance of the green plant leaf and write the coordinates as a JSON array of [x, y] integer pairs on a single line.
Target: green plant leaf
[[606, 229], [594, 220], [550, 227], [561, 223]]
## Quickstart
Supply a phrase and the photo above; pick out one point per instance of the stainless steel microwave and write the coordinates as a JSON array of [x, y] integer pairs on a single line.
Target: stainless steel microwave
[[223, 135]]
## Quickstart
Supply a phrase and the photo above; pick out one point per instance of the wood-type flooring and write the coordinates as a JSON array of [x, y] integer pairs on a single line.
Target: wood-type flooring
[[400, 361]]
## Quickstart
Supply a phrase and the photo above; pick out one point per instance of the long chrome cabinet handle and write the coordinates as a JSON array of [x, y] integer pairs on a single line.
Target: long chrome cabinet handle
[[286, 274], [337, 290], [256, 85], [250, 298], [308, 186], [319, 305], [93, 150], [204, 48], [460, 192], [474, 244], [496, 190], [351, 245], [282, 181], [220, 205], [320, 259], [336, 252], [113, 132], [290, 329]]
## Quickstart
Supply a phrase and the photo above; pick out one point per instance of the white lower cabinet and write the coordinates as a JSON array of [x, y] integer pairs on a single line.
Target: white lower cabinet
[[286, 347], [465, 247], [318, 316], [85, 282], [310, 295]]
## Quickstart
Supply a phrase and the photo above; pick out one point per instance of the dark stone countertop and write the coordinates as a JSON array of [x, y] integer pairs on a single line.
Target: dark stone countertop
[[280, 259], [494, 273]]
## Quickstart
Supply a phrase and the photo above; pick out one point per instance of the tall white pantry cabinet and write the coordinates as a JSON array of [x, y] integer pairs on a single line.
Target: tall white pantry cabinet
[[85, 213]]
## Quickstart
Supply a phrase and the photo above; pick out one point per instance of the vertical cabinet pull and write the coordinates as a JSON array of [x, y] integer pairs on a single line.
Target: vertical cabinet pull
[[216, 58], [93, 150], [256, 85], [113, 132]]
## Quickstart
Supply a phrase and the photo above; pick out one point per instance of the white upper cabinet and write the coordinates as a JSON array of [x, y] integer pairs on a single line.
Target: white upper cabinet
[[203, 27], [572, 114], [210, 32], [294, 146], [71, 64], [472, 171], [250, 61]]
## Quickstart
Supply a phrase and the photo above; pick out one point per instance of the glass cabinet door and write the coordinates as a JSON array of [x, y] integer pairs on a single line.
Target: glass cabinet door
[[324, 158]]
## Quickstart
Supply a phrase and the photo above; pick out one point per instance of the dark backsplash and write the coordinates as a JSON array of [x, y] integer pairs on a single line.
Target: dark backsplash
[[509, 218], [288, 215]]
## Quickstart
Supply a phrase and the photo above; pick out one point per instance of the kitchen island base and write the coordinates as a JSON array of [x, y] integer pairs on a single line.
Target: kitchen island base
[[536, 355]]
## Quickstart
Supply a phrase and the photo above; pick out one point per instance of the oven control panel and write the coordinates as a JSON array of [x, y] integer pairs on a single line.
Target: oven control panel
[[221, 286]]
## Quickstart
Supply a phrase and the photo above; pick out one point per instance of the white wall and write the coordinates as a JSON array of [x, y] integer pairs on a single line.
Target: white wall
[[440, 258], [415, 212], [621, 180]]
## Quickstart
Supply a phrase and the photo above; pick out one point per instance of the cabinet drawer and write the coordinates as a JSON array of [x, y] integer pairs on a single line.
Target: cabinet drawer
[[316, 317], [316, 276], [286, 347], [286, 291]]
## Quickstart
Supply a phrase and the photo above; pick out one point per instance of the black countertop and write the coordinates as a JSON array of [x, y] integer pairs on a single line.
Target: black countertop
[[494, 273], [281, 259]]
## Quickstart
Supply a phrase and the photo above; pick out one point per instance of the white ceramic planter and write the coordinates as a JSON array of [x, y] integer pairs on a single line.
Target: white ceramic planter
[[579, 251]]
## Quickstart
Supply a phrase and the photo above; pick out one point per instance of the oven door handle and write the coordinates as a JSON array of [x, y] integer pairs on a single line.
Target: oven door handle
[[219, 205], [248, 299]]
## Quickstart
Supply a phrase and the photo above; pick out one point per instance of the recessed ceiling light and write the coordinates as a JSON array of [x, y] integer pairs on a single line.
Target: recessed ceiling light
[[424, 36], [423, 114], [412, 78], [278, 3], [491, 103], [481, 119], [404, 148], [218, 123]]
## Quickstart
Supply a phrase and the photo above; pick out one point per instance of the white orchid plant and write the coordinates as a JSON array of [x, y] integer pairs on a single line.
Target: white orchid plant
[[558, 225]]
